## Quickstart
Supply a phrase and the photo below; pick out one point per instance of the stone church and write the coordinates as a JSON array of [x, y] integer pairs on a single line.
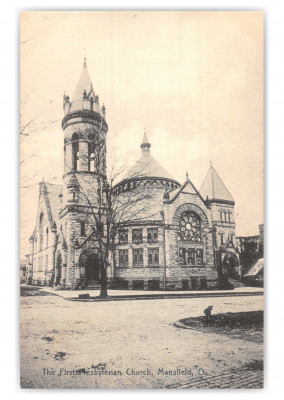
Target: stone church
[[186, 242]]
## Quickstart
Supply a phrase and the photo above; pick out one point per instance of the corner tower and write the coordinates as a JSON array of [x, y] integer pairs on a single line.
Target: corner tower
[[85, 130]]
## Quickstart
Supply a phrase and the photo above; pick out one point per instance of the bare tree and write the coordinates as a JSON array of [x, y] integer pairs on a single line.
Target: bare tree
[[116, 206]]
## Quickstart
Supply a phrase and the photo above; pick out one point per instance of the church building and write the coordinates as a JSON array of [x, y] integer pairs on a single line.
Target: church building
[[185, 240]]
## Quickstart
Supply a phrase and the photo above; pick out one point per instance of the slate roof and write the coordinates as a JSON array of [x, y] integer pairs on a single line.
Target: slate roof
[[147, 166], [52, 191], [214, 188], [84, 84]]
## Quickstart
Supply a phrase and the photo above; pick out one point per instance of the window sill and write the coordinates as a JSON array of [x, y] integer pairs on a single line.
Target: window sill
[[192, 266]]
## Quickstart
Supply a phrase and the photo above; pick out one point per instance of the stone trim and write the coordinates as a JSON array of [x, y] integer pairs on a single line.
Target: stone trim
[[190, 207]]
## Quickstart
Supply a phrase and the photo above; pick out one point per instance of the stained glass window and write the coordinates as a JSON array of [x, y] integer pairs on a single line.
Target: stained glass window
[[189, 227]]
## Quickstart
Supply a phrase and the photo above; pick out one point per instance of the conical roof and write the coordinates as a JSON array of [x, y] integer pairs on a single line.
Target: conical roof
[[147, 166], [214, 188], [84, 84]]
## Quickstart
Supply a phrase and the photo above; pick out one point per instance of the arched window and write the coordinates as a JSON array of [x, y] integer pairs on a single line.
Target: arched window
[[91, 157], [221, 215], [229, 216], [35, 244], [190, 227], [41, 218], [40, 241], [47, 237], [75, 152]]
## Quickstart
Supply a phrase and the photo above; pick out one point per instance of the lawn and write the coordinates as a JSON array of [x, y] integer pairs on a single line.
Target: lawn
[[239, 325]]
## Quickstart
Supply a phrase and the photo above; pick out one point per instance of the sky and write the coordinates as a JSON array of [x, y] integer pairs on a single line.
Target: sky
[[193, 80]]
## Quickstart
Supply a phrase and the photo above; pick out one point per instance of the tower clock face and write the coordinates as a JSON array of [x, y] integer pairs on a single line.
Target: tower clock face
[[189, 227]]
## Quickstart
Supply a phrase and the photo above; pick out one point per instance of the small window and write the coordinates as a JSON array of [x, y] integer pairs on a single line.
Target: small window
[[138, 258], [137, 236], [91, 156], [123, 258], [40, 219], [40, 240], [46, 237], [75, 151], [191, 257], [123, 236], [153, 257], [222, 238], [83, 228], [152, 235]]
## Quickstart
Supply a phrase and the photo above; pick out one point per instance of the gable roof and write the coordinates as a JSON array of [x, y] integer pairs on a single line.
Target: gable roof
[[188, 187], [213, 187], [53, 191], [50, 192]]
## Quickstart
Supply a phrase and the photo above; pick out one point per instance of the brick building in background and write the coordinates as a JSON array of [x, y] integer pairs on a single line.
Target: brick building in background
[[187, 241]]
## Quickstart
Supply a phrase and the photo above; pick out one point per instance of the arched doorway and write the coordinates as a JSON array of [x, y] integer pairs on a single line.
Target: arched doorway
[[231, 266], [89, 268]]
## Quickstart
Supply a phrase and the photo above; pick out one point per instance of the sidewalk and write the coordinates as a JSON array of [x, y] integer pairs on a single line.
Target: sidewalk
[[146, 295], [243, 378]]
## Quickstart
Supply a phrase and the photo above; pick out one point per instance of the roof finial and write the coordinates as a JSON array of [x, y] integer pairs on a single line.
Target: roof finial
[[186, 175], [211, 163], [145, 145]]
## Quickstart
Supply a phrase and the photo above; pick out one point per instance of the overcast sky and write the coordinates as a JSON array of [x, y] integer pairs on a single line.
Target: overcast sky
[[193, 79]]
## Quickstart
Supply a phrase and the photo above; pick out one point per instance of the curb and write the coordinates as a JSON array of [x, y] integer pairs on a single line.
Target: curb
[[162, 297]]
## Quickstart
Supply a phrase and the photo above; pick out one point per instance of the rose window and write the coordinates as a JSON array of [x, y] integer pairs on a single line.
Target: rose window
[[189, 227]]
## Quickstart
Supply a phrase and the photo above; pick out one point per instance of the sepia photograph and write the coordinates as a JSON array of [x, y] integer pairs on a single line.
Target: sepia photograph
[[141, 199]]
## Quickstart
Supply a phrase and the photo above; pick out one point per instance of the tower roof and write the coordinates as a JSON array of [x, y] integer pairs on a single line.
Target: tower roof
[[213, 187], [147, 166], [84, 85]]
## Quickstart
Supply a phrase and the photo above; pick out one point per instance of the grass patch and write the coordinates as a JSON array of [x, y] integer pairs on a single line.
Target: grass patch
[[243, 325]]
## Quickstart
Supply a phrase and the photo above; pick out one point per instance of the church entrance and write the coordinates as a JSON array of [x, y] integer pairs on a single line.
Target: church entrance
[[231, 269], [89, 269], [92, 271]]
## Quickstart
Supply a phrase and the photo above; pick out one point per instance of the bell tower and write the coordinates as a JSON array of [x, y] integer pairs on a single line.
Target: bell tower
[[85, 130]]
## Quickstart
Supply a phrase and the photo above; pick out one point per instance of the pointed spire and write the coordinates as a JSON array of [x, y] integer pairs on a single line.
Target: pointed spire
[[84, 84], [213, 187], [145, 145]]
